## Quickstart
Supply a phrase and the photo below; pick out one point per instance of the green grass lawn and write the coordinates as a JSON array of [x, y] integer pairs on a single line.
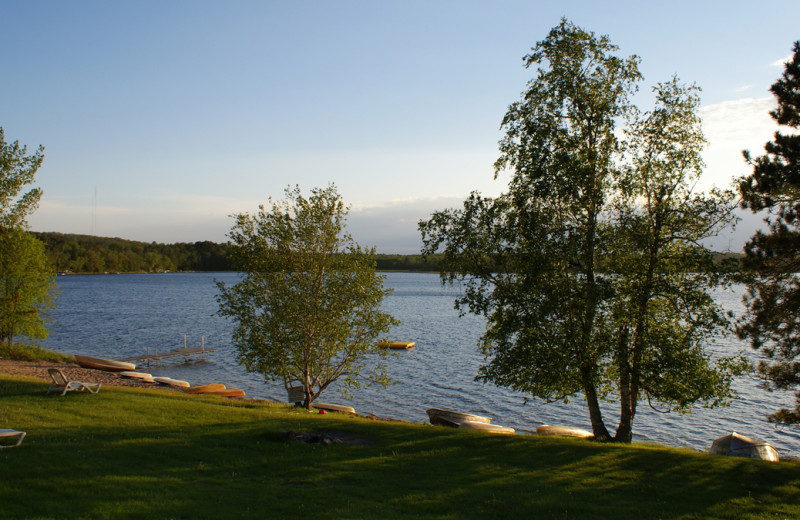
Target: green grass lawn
[[127, 453]]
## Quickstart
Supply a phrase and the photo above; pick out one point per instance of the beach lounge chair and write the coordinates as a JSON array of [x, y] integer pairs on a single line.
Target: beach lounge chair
[[63, 385], [13, 435]]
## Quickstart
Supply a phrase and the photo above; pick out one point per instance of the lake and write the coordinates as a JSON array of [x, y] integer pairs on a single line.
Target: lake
[[118, 316]]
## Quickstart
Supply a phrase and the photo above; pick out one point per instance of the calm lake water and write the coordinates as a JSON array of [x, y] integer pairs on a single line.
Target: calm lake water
[[118, 316]]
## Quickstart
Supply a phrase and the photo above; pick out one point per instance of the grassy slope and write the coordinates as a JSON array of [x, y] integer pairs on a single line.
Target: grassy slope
[[128, 453]]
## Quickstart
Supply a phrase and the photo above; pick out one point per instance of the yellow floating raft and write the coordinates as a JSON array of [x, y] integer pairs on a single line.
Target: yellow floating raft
[[397, 345]]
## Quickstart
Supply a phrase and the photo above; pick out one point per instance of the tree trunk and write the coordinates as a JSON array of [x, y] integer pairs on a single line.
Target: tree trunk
[[626, 405], [595, 414]]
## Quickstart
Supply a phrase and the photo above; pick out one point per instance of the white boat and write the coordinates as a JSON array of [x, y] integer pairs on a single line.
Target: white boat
[[446, 417], [109, 365], [737, 445], [563, 431], [141, 376], [333, 408], [493, 428], [177, 383]]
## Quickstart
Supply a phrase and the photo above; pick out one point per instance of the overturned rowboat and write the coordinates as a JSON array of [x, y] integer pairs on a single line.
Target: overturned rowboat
[[563, 431], [449, 417], [109, 365], [139, 376], [334, 408], [176, 383], [465, 421], [737, 445], [205, 389]]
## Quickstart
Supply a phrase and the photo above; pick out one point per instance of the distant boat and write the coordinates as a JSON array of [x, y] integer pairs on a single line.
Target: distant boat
[[109, 365], [740, 446], [563, 431], [397, 345]]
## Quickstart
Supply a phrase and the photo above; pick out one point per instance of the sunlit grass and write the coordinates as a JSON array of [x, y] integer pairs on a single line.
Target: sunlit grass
[[25, 352], [132, 453]]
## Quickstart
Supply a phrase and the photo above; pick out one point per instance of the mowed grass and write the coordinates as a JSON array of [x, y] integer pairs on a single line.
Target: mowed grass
[[128, 453]]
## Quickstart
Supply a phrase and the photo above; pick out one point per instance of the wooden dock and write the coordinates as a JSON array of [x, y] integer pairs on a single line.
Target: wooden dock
[[185, 352]]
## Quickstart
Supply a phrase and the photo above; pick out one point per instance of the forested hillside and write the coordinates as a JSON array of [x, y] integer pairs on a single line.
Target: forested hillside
[[90, 254]]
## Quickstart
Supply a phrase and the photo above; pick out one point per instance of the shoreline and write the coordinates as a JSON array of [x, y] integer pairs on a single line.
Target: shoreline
[[74, 372]]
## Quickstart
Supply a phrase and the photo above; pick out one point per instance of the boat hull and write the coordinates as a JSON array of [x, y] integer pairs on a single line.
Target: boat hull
[[227, 392], [205, 389], [737, 445], [109, 365], [491, 428], [397, 345], [177, 383], [455, 417], [334, 408], [563, 431], [140, 376]]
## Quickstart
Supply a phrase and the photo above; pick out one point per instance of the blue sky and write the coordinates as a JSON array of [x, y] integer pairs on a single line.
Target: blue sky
[[178, 114]]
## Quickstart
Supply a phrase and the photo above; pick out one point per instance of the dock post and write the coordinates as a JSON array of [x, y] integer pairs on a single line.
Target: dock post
[[147, 357], [203, 347]]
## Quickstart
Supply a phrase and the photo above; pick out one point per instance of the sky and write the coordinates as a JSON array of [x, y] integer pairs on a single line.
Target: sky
[[160, 120]]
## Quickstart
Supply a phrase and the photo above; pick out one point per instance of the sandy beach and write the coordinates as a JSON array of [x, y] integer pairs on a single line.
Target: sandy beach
[[73, 372]]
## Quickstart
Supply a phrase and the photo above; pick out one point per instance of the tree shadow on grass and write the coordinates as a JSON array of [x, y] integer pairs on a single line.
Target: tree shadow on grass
[[165, 455]]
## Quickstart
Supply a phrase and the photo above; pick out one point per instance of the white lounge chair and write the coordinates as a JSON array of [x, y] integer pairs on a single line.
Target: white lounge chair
[[63, 385], [14, 435]]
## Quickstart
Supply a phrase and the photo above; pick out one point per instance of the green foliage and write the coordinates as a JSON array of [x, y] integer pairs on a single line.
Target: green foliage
[[16, 171], [162, 454], [89, 254], [773, 298], [30, 352], [26, 287], [308, 306], [590, 269], [26, 279]]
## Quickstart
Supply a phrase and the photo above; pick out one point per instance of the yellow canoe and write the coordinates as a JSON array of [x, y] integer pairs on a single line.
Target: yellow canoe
[[205, 389], [227, 392], [397, 345]]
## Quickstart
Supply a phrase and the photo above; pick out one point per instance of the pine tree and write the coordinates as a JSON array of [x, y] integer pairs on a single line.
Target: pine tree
[[772, 323]]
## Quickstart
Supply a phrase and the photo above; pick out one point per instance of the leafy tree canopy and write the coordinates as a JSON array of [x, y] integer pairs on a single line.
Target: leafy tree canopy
[[590, 269], [307, 309], [16, 171]]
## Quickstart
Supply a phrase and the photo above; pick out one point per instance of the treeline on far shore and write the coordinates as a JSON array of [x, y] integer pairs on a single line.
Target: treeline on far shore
[[86, 254]]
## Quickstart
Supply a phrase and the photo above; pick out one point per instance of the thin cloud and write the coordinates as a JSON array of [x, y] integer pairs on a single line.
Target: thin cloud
[[782, 62]]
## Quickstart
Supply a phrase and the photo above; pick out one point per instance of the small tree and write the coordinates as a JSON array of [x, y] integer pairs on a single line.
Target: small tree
[[308, 307], [773, 299], [26, 279], [26, 283]]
